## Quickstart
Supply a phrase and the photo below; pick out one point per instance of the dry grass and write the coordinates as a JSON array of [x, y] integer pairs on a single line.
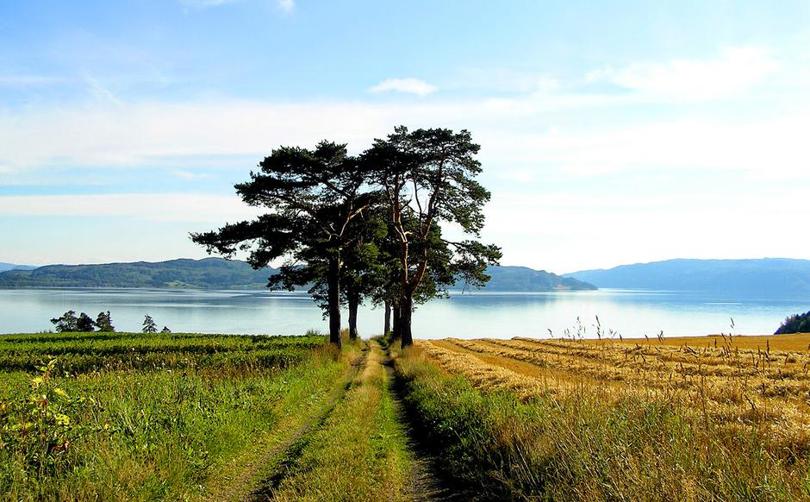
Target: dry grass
[[731, 382], [605, 420], [797, 342]]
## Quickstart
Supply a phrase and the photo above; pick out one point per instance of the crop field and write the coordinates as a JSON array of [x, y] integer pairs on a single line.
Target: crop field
[[737, 382], [108, 416], [727, 417]]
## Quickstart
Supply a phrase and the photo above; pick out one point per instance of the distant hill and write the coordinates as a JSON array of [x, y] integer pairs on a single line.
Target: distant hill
[[214, 273], [217, 273], [10, 266], [524, 279], [761, 277]]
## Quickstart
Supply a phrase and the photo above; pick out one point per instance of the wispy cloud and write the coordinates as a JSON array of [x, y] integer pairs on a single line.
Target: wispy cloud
[[404, 85], [286, 5], [180, 137], [152, 207], [735, 70]]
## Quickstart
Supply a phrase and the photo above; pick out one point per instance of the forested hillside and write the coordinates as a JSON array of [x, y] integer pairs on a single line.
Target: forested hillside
[[215, 273], [218, 273]]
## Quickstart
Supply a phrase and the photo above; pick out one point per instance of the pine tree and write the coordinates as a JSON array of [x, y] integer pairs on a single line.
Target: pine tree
[[67, 323], [104, 322], [149, 325], [85, 323], [311, 197], [428, 177]]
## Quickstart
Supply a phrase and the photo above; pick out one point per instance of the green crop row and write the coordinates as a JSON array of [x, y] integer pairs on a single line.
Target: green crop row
[[149, 435], [126, 351]]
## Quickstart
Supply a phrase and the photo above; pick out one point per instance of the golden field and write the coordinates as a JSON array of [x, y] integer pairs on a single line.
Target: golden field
[[736, 383]]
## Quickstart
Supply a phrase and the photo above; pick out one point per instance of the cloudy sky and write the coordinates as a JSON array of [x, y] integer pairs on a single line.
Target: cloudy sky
[[611, 133]]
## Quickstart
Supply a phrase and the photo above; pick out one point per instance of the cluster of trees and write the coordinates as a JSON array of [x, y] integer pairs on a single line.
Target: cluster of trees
[[367, 227], [69, 322], [797, 323]]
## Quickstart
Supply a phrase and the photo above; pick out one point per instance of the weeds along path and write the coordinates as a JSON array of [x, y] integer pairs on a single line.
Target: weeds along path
[[359, 451], [425, 480], [305, 409]]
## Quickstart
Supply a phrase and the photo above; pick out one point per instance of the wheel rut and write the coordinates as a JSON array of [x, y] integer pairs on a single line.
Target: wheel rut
[[426, 481], [285, 454]]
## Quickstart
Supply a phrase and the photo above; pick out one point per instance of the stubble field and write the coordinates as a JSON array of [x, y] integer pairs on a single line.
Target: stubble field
[[690, 418]]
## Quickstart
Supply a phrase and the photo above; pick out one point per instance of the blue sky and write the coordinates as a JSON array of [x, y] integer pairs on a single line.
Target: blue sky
[[611, 132]]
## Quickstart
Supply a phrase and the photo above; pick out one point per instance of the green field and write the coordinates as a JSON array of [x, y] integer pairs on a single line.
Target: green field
[[111, 416]]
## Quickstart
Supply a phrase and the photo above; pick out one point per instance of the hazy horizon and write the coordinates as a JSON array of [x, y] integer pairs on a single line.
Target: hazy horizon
[[502, 264], [613, 134]]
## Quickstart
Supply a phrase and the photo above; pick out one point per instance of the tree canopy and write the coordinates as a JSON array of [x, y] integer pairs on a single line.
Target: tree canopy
[[797, 323], [368, 226], [311, 197], [428, 178]]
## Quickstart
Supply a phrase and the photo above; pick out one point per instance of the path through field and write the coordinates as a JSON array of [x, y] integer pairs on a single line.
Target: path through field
[[261, 467], [425, 481], [356, 444]]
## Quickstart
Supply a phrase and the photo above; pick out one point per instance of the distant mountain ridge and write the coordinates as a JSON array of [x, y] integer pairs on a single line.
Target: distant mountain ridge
[[752, 277], [11, 266], [218, 273]]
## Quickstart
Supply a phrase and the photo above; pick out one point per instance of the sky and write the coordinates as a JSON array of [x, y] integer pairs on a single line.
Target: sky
[[611, 132]]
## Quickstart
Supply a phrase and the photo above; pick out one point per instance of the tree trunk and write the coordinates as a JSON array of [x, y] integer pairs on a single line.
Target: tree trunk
[[354, 301], [405, 311], [387, 325], [333, 283]]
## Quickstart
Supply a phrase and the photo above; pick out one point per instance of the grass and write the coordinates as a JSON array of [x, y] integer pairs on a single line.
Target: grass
[[87, 352], [570, 420], [159, 429], [359, 453], [186, 417]]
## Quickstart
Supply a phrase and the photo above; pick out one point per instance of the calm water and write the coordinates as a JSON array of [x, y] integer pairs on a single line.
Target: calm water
[[632, 313]]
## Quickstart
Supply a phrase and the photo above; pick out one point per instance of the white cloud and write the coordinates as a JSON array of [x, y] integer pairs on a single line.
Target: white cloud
[[101, 134], [736, 70], [286, 5], [404, 85], [772, 148], [182, 137], [166, 207]]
